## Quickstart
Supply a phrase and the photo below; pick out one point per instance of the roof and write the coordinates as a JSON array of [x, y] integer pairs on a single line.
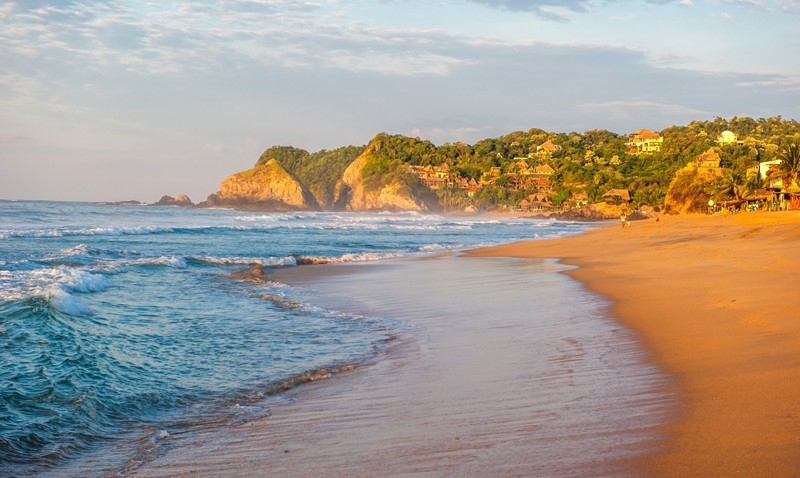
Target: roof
[[647, 134], [549, 146], [621, 193]]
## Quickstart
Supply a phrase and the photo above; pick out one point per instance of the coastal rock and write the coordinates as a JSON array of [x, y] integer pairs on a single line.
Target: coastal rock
[[353, 193], [268, 187], [688, 192], [179, 200]]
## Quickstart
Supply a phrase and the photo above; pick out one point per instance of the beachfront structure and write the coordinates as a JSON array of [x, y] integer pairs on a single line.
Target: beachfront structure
[[644, 141], [580, 199], [536, 202], [617, 196], [763, 173]]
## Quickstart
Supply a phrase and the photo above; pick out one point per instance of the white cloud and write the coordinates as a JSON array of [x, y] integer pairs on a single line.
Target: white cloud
[[637, 108], [779, 83]]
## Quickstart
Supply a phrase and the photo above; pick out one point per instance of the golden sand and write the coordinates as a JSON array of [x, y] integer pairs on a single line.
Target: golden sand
[[716, 299]]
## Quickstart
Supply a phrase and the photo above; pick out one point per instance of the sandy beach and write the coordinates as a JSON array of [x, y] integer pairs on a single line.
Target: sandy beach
[[714, 298], [708, 302]]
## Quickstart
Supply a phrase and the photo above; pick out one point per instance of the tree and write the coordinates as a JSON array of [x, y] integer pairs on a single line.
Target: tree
[[733, 184], [789, 167]]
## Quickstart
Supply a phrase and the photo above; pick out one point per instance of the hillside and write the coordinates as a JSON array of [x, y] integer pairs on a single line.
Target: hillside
[[539, 170]]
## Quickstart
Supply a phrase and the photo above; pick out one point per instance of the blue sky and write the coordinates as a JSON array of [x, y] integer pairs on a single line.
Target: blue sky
[[116, 100]]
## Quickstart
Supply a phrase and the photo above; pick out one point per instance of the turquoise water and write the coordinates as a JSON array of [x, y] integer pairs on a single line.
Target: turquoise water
[[117, 322]]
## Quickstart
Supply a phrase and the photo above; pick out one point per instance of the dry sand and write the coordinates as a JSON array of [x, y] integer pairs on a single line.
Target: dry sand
[[716, 299]]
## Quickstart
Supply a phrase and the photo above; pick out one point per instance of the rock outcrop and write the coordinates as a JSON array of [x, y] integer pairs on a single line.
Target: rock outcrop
[[268, 187], [689, 191], [179, 200], [354, 194]]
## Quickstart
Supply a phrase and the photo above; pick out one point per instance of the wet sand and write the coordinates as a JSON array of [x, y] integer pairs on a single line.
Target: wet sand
[[506, 368], [712, 299], [716, 300]]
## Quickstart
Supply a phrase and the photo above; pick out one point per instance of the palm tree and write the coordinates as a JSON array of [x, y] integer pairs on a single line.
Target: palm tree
[[733, 184], [789, 167]]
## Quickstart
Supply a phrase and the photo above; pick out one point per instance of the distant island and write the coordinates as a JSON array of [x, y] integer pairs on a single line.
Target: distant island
[[705, 165]]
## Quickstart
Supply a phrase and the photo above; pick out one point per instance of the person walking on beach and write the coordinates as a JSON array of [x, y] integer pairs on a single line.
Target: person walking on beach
[[623, 219]]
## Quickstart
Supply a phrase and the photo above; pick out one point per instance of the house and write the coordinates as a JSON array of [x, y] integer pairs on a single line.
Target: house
[[442, 172], [644, 141], [763, 172], [709, 160], [727, 137], [617, 196], [580, 199], [536, 202], [547, 148], [544, 169]]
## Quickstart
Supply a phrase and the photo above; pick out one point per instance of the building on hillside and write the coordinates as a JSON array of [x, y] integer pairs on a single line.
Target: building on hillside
[[727, 137], [547, 148], [434, 177], [644, 141], [709, 160], [544, 169], [580, 199]]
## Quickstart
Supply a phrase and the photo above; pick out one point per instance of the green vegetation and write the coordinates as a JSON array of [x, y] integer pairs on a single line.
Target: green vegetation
[[586, 165], [319, 171]]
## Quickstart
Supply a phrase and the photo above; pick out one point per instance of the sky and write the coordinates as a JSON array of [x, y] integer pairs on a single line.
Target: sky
[[111, 100]]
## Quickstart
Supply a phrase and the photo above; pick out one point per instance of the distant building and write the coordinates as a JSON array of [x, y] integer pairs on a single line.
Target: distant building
[[544, 169], [644, 141], [709, 160], [727, 137], [547, 148], [763, 173]]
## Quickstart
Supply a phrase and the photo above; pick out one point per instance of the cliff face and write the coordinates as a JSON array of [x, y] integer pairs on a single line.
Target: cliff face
[[688, 192], [266, 187], [352, 194]]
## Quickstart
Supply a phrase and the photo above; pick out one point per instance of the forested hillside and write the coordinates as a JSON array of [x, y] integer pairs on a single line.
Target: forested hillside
[[550, 169]]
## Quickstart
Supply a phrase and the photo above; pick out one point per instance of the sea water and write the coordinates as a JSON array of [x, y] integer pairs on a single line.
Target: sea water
[[119, 322]]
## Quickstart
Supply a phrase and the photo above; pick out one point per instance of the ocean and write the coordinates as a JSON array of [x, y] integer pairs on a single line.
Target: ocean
[[122, 324]]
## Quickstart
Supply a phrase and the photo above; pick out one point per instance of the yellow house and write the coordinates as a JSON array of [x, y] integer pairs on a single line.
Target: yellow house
[[645, 141]]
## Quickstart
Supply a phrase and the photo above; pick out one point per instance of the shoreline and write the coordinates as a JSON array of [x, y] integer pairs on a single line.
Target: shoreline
[[713, 298], [491, 379]]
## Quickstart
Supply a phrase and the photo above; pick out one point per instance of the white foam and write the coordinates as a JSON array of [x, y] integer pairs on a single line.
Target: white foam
[[249, 261], [350, 257], [167, 261], [65, 302], [82, 281]]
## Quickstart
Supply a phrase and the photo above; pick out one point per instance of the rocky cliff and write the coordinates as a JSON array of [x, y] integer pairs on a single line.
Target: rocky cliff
[[267, 186], [353, 193], [689, 191]]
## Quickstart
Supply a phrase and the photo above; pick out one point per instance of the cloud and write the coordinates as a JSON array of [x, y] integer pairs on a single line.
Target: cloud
[[535, 6], [785, 84], [638, 108], [768, 6]]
